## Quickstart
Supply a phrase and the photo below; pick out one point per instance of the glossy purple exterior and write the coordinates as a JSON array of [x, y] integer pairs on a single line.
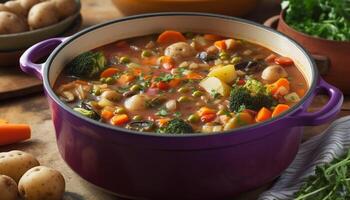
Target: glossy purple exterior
[[146, 166]]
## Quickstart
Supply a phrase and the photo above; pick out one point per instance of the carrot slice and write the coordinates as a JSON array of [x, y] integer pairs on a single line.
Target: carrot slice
[[119, 119], [163, 121], [284, 61], [125, 79], [263, 115], [149, 61], [205, 110], [195, 76], [174, 82], [220, 44], [168, 37], [12, 133], [275, 87], [212, 37], [106, 114], [109, 72], [279, 109]]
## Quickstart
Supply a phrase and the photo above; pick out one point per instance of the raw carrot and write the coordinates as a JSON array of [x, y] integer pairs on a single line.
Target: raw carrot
[[208, 117], [174, 82], [205, 110], [212, 37], [220, 44], [168, 37], [271, 58], [284, 61], [109, 72], [280, 108], [125, 79], [276, 86], [119, 119], [194, 75], [263, 114], [106, 114], [12, 133]]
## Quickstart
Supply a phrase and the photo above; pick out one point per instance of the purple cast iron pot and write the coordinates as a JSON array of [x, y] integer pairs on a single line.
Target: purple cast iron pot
[[190, 166]]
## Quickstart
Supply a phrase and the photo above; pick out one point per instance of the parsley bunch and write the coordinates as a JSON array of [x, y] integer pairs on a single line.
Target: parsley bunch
[[328, 19], [331, 181]]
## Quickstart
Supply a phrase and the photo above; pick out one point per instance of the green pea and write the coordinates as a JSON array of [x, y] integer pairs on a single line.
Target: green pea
[[146, 53], [223, 55], [135, 88], [193, 118], [110, 80], [120, 111], [197, 93], [137, 117], [235, 59], [183, 99], [183, 89], [124, 60]]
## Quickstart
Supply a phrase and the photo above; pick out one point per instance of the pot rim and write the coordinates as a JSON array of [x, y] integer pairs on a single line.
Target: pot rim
[[55, 98], [282, 16]]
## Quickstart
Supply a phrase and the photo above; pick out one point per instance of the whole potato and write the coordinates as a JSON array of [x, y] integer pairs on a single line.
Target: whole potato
[[3, 7], [43, 14], [16, 7], [66, 7], [15, 163], [28, 4], [42, 183], [8, 188]]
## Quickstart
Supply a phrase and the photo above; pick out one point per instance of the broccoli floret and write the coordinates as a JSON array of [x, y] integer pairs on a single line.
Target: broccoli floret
[[87, 65], [176, 126], [252, 95]]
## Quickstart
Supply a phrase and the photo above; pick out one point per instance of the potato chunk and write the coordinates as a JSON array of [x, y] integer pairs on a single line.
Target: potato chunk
[[215, 85], [225, 73]]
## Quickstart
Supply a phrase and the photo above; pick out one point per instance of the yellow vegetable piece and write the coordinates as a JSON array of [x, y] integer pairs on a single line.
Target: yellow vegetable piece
[[225, 73], [215, 85]]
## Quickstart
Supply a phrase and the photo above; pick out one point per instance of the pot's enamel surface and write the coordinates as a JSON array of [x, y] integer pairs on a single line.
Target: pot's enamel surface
[[151, 166]]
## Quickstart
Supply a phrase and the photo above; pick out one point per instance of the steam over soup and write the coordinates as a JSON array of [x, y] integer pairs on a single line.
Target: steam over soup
[[176, 83]]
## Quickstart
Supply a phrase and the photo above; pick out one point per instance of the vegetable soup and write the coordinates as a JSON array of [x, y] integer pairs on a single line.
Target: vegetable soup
[[178, 83]]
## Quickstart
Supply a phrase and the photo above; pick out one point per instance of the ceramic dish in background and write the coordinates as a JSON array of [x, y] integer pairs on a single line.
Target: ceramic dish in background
[[332, 57], [227, 7], [190, 166], [17, 41]]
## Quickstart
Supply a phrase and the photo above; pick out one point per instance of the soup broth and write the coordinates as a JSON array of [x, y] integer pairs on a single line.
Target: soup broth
[[178, 83]]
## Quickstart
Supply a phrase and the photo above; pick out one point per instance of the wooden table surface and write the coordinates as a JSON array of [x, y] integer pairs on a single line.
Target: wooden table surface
[[34, 110]]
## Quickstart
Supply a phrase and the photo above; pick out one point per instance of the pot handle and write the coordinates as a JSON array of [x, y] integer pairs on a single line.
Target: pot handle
[[327, 112], [35, 53]]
